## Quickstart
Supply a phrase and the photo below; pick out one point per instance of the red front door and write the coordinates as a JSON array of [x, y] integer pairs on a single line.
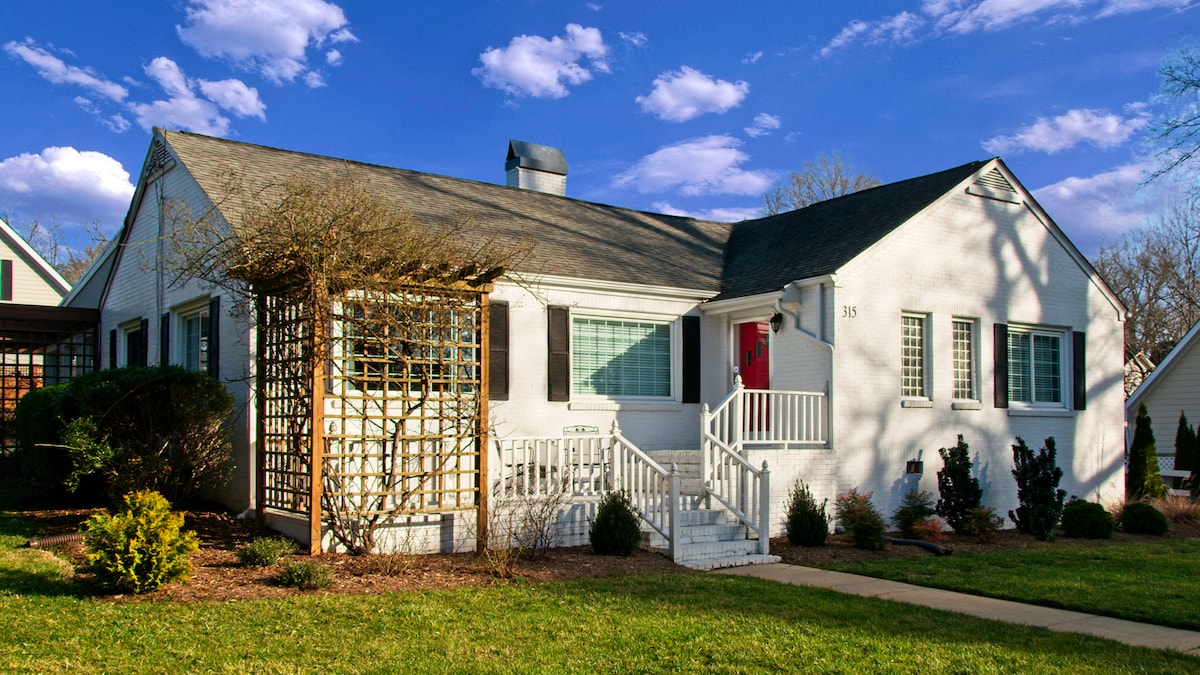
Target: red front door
[[754, 355]]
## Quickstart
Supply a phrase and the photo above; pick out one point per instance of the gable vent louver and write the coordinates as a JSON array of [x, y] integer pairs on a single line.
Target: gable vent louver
[[994, 185], [159, 160]]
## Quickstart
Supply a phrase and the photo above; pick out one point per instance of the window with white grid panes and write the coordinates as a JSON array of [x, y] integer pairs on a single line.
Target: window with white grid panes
[[620, 357], [964, 360], [912, 356], [1035, 367]]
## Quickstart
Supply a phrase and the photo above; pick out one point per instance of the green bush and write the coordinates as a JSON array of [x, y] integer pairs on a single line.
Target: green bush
[[807, 524], [984, 524], [1086, 520], [931, 529], [1142, 518], [917, 506], [265, 551], [1185, 445], [1142, 479], [1040, 501], [140, 547], [861, 519], [165, 430], [306, 575], [615, 530], [958, 490]]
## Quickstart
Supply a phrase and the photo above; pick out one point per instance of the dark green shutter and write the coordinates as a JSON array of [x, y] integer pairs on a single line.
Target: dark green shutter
[[1079, 371], [691, 359], [1000, 359], [164, 339], [214, 336], [6, 280], [144, 344], [498, 351], [558, 358], [112, 348]]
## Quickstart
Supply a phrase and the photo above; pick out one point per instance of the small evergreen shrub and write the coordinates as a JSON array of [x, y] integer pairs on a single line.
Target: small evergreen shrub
[[958, 490], [265, 551], [931, 529], [139, 548], [861, 519], [615, 530], [306, 575], [807, 524], [1185, 445], [984, 524], [917, 506], [1142, 479], [1040, 501], [1142, 518], [1086, 520]]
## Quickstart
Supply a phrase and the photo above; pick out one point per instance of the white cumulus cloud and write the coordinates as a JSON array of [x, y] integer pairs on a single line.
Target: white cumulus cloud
[[1093, 209], [719, 214], [681, 95], [708, 165], [763, 124], [53, 69], [532, 65], [271, 37], [65, 185], [1100, 128], [183, 109]]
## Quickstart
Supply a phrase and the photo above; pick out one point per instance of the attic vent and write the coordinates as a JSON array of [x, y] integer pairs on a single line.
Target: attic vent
[[159, 159], [994, 185]]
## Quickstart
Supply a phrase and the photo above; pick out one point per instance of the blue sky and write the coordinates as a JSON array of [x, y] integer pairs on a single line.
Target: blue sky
[[682, 107]]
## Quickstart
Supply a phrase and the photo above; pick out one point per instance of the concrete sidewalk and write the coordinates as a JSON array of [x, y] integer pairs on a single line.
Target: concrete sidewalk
[[1128, 632]]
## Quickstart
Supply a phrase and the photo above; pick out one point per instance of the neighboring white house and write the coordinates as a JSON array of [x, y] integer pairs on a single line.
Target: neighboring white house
[[1170, 389], [25, 276], [886, 322]]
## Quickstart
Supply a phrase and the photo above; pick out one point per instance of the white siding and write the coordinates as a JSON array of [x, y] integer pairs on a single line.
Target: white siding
[[1173, 392]]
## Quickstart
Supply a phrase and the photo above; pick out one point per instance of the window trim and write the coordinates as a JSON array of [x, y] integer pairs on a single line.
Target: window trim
[[909, 399], [973, 360], [674, 354], [182, 314], [1065, 366], [126, 331]]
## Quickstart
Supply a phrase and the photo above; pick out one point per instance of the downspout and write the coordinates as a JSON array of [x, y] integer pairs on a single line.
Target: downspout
[[817, 338], [158, 262]]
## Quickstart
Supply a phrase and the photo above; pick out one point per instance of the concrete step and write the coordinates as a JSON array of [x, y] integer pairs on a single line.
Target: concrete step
[[718, 549], [701, 534], [735, 561]]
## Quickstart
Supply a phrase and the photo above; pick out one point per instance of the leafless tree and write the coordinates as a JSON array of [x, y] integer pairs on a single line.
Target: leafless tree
[[1177, 134], [1155, 270], [825, 177]]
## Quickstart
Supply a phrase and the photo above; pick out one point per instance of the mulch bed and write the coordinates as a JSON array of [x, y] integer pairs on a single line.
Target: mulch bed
[[218, 576]]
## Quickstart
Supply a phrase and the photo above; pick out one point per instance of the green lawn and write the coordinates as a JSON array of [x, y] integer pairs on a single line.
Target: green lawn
[[668, 623], [1156, 582]]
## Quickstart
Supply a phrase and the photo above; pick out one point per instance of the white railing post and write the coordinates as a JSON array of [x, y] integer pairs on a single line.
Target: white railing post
[[764, 511], [705, 429], [739, 412], [674, 517]]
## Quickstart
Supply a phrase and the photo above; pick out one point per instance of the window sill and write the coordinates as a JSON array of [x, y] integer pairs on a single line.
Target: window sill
[[1040, 412], [626, 406], [916, 403], [966, 405]]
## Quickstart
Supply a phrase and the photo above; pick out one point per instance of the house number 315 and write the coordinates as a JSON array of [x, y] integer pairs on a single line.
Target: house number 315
[[849, 311]]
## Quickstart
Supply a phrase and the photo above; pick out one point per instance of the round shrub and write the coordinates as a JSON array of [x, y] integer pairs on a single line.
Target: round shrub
[[861, 519], [615, 530], [916, 507], [1086, 520], [306, 575], [807, 523], [1142, 518], [984, 522], [265, 551], [140, 547]]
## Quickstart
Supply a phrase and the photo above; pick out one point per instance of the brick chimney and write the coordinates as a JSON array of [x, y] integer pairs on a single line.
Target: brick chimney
[[530, 166]]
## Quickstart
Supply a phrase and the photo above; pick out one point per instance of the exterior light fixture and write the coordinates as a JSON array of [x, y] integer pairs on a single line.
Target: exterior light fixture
[[776, 322]]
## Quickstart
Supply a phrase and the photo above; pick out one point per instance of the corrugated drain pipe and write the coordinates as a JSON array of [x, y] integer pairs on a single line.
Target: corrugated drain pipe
[[55, 540]]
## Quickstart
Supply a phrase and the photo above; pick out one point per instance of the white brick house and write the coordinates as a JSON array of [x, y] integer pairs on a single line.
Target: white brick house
[[906, 314]]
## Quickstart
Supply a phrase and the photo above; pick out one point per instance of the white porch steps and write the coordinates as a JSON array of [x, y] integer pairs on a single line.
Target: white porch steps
[[707, 538]]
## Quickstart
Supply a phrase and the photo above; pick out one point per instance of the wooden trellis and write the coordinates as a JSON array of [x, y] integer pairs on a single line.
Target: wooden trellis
[[376, 413]]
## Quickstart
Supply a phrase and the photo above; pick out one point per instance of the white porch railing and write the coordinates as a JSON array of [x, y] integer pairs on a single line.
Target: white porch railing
[[588, 466], [749, 418]]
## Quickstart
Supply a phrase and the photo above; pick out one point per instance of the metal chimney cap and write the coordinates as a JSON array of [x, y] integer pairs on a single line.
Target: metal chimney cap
[[534, 156]]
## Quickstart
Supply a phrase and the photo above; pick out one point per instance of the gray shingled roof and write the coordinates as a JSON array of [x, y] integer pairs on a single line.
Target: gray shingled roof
[[570, 238], [768, 253], [573, 238]]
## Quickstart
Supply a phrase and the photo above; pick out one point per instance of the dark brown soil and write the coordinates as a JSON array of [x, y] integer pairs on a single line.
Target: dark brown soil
[[217, 575]]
